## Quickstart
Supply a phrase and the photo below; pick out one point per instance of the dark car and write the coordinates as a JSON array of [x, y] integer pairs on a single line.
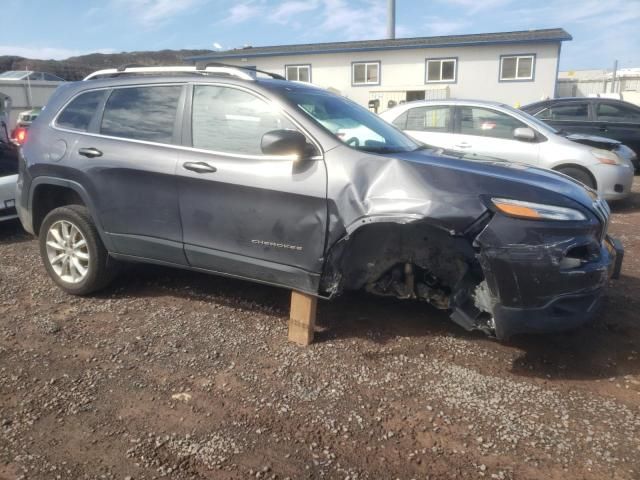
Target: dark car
[[218, 171], [603, 117]]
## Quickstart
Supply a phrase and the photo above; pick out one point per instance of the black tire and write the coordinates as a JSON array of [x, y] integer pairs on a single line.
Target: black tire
[[101, 268], [579, 174]]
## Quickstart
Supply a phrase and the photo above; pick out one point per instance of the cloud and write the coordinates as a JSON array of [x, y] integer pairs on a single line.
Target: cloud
[[471, 7], [47, 53], [287, 11], [154, 13], [241, 12], [367, 20]]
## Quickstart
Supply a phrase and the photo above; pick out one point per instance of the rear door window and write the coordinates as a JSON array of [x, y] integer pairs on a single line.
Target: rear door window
[[142, 113], [487, 123], [607, 112], [568, 111], [78, 113], [429, 119]]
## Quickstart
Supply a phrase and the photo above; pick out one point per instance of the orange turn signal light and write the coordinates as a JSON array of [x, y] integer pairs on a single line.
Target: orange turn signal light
[[517, 210]]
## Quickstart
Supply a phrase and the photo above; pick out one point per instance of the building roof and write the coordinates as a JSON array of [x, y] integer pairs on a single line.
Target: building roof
[[526, 36]]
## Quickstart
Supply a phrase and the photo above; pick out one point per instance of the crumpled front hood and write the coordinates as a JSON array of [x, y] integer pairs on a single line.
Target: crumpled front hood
[[443, 190], [594, 141], [500, 177]]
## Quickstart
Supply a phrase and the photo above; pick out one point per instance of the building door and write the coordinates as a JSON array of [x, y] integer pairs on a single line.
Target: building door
[[415, 95]]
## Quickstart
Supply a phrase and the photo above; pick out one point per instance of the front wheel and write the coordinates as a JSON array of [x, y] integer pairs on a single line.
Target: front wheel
[[579, 174], [72, 251]]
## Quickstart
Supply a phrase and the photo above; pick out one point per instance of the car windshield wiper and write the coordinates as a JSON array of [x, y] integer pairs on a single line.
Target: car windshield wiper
[[383, 149], [424, 146]]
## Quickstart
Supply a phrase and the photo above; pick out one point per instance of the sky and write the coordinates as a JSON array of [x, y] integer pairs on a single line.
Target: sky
[[602, 30]]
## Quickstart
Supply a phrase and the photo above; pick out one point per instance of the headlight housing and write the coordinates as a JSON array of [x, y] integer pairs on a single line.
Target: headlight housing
[[606, 157], [536, 211]]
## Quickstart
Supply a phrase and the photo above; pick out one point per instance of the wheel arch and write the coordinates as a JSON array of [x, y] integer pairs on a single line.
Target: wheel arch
[[47, 193], [562, 165], [388, 240]]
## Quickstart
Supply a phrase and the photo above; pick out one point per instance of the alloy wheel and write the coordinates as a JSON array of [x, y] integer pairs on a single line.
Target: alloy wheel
[[67, 251]]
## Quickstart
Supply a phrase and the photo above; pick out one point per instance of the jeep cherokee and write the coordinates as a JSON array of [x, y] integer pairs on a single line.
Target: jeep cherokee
[[287, 184]]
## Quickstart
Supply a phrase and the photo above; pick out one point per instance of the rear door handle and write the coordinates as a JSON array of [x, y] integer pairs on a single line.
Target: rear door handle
[[90, 152], [603, 128], [463, 145], [200, 167]]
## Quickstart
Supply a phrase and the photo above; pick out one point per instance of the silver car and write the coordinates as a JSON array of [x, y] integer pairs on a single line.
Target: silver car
[[495, 129], [8, 172]]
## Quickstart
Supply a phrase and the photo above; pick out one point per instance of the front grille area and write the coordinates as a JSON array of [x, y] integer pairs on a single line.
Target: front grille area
[[603, 212]]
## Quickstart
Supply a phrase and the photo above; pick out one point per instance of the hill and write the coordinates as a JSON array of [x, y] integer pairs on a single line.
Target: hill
[[76, 68]]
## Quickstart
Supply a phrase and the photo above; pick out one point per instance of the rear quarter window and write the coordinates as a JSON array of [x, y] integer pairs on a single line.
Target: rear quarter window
[[77, 115]]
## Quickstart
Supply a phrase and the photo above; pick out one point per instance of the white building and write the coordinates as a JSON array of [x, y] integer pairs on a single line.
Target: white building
[[511, 67]]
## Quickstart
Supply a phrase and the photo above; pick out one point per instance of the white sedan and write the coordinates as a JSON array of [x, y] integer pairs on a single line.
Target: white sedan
[[8, 179], [497, 130]]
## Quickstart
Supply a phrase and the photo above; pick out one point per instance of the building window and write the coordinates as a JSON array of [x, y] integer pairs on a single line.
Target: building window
[[365, 73], [298, 73], [441, 70], [517, 67]]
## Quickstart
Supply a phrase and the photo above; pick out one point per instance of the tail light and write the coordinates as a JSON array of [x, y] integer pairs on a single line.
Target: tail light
[[19, 135]]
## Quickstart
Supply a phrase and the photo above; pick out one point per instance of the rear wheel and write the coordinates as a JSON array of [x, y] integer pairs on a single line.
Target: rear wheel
[[72, 251], [580, 175]]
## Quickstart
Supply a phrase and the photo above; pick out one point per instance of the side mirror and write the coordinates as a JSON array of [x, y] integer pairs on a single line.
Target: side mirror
[[284, 142], [524, 133]]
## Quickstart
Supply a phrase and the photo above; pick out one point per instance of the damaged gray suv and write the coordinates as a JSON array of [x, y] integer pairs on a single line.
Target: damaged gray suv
[[282, 183]]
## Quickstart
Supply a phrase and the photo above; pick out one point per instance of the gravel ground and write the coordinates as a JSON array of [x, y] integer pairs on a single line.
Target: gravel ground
[[180, 375]]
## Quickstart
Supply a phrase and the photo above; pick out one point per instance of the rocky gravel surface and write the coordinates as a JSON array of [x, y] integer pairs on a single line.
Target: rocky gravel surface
[[172, 374]]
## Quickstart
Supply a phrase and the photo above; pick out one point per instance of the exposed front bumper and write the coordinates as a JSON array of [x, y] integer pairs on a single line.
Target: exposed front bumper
[[544, 279], [614, 181], [564, 312]]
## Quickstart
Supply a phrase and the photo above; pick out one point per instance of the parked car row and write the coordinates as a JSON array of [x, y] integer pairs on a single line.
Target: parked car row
[[494, 129], [224, 171], [614, 119]]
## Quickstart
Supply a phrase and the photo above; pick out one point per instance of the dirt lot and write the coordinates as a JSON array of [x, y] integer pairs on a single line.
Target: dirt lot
[[180, 375]]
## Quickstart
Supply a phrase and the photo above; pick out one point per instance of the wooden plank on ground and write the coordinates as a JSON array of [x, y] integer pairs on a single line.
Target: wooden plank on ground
[[302, 318]]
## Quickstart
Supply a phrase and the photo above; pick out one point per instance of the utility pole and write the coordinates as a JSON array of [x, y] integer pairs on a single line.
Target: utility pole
[[613, 78], [391, 19]]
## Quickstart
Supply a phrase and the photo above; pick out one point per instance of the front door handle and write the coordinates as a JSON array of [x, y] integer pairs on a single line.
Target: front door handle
[[463, 145], [90, 152], [603, 128], [200, 167]]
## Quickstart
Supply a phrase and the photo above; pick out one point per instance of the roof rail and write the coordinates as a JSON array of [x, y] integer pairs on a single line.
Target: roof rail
[[125, 69], [249, 69]]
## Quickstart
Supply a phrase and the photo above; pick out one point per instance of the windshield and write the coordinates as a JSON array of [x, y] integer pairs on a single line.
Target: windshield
[[354, 125]]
